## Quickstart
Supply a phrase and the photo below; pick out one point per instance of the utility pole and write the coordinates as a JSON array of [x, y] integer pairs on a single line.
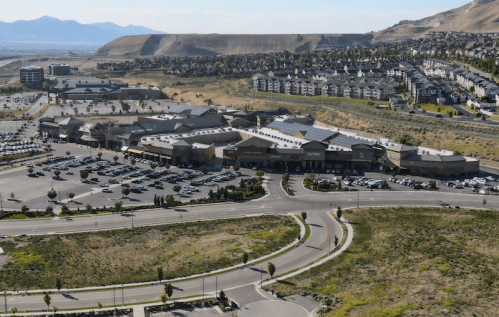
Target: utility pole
[[132, 217], [122, 298], [216, 286], [5, 299], [329, 246], [203, 290]]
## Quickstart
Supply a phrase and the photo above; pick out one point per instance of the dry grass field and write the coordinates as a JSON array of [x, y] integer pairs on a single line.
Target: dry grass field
[[133, 255], [411, 262]]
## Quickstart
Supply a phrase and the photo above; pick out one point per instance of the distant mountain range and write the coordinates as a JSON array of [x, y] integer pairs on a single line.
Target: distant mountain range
[[52, 30]]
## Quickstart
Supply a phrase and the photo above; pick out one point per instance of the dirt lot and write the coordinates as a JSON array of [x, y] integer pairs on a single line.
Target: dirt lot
[[133, 255]]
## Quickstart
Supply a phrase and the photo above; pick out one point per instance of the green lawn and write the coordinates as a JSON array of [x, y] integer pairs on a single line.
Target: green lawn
[[133, 255], [411, 262], [435, 108]]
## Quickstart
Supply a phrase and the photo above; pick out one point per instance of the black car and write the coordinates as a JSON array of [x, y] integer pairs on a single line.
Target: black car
[[40, 173], [31, 175], [412, 111], [159, 187], [438, 116], [151, 185]]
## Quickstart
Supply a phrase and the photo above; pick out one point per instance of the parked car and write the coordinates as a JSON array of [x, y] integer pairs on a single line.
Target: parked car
[[107, 190]]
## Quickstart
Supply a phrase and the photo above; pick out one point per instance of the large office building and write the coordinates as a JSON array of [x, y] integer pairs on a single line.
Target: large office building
[[58, 69], [31, 75]]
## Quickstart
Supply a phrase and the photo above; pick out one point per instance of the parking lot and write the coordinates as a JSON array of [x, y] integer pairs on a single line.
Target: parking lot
[[484, 184], [105, 180]]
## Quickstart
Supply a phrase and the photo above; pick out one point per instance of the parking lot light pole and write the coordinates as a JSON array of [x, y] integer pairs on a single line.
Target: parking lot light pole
[[216, 286], [5, 300], [122, 297], [203, 290], [132, 217], [114, 295], [329, 246]]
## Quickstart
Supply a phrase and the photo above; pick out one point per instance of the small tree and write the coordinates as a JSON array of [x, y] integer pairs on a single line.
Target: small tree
[[160, 273], [57, 172], [484, 202], [52, 194], [68, 153], [245, 257], [71, 196], [64, 209], [13, 311], [125, 191], [271, 269], [100, 305], [235, 168], [133, 161], [338, 212], [116, 158], [164, 298], [169, 200], [304, 215], [30, 170], [58, 283], [118, 206], [177, 188], [88, 208], [47, 299], [12, 196], [222, 297], [99, 155], [24, 208], [168, 289], [83, 174], [260, 173], [336, 241]]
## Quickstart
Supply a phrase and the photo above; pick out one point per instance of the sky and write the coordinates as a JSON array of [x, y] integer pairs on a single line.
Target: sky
[[234, 16]]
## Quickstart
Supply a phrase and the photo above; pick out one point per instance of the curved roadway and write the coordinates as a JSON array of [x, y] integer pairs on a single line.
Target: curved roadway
[[315, 204]]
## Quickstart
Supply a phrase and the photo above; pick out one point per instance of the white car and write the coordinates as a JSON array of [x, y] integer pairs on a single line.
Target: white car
[[103, 185], [107, 190]]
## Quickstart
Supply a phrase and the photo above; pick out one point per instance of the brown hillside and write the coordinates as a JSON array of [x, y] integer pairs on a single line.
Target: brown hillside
[[466, 18], [224, 44]]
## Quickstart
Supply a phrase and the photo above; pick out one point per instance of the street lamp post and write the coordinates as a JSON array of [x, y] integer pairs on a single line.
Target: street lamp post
[[203, 290], [358, 197], [122, 297], [114, 295], [261, 277], [132, 217], [216, 286], [329, 246], [5, 299]]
